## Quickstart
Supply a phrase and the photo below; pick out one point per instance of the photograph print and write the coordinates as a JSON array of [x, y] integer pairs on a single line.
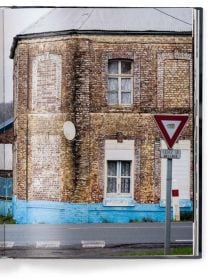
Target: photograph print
[[100, 150]]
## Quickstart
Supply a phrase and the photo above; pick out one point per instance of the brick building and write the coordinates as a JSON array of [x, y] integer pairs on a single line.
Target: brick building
[[107, 70]]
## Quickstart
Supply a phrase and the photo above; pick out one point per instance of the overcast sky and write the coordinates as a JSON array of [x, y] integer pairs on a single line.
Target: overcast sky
[[15, 21]]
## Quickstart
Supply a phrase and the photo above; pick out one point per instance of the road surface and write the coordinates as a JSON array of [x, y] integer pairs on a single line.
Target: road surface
[[111, 234]]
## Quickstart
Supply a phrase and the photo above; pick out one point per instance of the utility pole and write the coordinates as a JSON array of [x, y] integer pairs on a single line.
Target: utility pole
[[168, 207]]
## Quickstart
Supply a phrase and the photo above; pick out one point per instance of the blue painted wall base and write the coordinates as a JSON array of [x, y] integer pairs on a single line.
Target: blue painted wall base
[[49, 212]]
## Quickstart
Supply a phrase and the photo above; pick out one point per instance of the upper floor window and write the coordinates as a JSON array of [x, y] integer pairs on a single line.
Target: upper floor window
[[120, 73]]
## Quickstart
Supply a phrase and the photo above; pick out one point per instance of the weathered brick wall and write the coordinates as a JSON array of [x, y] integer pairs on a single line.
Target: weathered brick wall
[[65, 78], [21, 95], [174, 84], [39, 121], [7, 136], [46, 83], [149, 56]]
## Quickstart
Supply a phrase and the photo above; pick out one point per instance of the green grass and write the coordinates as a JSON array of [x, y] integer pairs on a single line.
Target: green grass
[[182, 251], [179, 251], [7, 220]]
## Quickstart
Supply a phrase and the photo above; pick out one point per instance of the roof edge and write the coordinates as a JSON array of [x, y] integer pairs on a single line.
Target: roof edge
[[91, 32]]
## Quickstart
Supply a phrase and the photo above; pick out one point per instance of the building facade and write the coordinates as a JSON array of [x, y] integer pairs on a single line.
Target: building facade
[[110, 85]]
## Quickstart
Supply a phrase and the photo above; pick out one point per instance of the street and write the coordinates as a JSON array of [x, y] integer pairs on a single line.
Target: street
[[86, 236]]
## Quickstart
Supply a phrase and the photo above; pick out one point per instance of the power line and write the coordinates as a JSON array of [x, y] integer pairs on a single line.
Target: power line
[[172, 16]]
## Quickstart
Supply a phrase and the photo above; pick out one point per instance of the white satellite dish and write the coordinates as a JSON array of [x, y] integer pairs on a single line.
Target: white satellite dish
[[69, 130]]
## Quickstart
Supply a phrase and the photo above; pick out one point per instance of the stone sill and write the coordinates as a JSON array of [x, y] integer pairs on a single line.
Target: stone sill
[[119, 201]]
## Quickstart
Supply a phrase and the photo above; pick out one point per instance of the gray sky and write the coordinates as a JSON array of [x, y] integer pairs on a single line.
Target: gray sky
[[15, 21]]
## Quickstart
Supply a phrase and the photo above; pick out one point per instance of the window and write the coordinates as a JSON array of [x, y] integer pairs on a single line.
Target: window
[[120, 82], [118, 177], [6, 181], [6, 188], [5, 156], [119, 173]]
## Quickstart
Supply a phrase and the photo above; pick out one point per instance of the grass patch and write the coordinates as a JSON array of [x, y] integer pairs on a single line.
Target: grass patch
[[182, 251], [179, 251], [7, 220]]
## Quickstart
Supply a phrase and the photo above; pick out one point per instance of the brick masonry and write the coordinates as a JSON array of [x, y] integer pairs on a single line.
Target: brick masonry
[[7, 136], [46, 89], [65, 78]]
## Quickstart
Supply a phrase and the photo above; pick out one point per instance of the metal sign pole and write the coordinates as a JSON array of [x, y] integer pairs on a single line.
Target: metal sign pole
[[170, 127], [168, 207]]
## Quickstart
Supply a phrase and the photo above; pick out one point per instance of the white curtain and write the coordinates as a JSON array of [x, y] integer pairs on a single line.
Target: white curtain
[[112, 181], [112, 91], [126, 91], [125, 185], [125, 171]]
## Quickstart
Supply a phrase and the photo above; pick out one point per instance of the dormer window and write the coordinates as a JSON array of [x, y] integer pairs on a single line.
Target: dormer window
[[120, 82]]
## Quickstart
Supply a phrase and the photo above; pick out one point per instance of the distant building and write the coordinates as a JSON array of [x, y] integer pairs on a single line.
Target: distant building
[[108, 70], [6, 137], [6, 176]]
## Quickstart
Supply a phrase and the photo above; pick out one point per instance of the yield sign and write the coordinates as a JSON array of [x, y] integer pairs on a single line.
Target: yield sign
[[171, 127]]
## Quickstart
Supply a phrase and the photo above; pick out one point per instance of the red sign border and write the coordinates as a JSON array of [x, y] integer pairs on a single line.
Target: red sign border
[[183, 120]]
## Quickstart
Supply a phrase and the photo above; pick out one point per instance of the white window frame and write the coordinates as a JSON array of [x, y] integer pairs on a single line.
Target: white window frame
[[119, 177], [115, 151], [6, 156], [119, 77]]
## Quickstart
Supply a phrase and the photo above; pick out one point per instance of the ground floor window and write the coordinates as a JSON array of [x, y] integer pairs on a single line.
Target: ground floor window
[[119, 173], [6, 180], [118, 177]]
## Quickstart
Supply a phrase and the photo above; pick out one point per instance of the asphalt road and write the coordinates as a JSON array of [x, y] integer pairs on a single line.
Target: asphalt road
[[91, 235]]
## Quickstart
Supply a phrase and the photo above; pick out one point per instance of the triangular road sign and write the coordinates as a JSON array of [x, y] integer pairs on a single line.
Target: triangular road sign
[[171, 127]]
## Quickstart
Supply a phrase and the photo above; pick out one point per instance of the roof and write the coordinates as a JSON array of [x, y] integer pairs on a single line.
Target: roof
[[109, 20], [6, 125]]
